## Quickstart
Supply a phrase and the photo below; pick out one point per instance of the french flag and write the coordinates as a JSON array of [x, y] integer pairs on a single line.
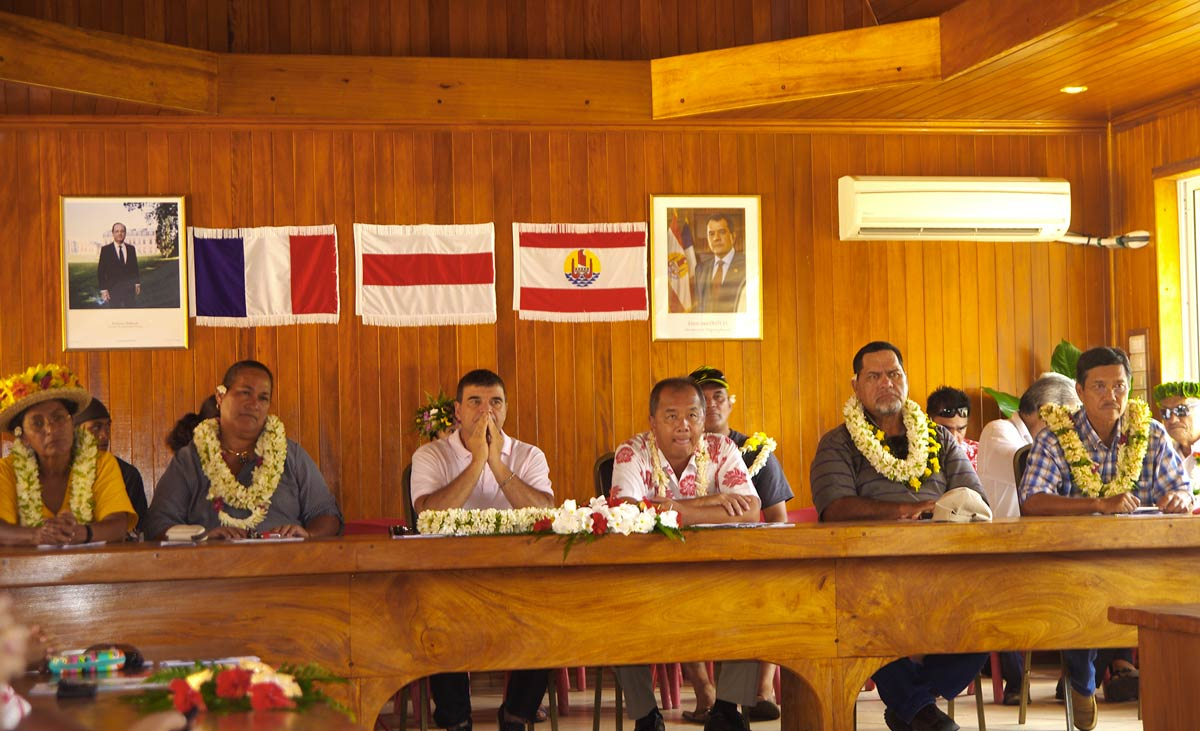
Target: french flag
[[409, 275], [267, 275]]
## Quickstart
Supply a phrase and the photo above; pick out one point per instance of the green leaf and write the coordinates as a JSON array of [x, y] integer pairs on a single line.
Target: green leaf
[[1006, 401], [1065, 357]]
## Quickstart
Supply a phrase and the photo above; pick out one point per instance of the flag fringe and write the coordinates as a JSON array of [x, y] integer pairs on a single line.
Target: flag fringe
[[623, 316], [237, 233], [431, 319], [578, 228], [324, 318], [404, 229]]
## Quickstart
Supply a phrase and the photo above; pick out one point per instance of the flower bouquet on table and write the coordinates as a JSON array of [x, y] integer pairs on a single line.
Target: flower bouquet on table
[[435, 420], [247, 686]]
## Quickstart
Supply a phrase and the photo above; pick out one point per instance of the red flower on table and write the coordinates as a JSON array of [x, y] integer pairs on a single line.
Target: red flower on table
[[233, 682], [267, 696], [687, 486], [599, 524], [733, 478], [184, 697], [613, 501], [543, 525], [624, 454]]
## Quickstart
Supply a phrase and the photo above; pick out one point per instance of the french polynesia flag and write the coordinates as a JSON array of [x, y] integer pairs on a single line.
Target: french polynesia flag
[[580, 272], [425, 274], [267, 275]]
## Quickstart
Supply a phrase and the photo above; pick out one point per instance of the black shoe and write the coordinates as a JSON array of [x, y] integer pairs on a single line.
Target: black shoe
[[1058, 690], [724, 716], [463, 726], [505, 724], [931, 718], [1121, 686], [652, 721], [893, 721]]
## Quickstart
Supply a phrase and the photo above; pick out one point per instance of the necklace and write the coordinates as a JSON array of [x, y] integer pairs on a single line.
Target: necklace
[[1131, 449], [242, 457], [765, 446], [923, 444], [662, 482], [80, 483], [270, 451]]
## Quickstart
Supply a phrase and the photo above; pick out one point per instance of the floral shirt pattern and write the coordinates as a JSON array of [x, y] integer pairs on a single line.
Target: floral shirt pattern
[[971, 449], [633, 470]]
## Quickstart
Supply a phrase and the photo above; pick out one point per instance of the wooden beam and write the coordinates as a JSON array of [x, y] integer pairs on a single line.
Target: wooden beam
[[434, 89], [977, 31], [43, 53], [794, 69]]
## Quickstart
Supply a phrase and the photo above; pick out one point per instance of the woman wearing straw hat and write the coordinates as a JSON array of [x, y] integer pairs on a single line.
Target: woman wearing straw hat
[[56, 487]]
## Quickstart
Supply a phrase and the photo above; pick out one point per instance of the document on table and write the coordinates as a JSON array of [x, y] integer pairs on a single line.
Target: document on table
[[56, 546], [742, 525], [1142, 512]]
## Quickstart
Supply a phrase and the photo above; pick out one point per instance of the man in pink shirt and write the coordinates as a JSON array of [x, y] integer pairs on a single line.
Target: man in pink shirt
[[480, 466]]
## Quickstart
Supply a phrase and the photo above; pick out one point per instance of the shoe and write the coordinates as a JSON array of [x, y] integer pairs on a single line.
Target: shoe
[[724, 716], [1058, 690], [931, 718], [1121, 686], [505, 724], [698, 716], [763, 710], [1084, 708], [542, 715], [652, 721], [893, 721], [1012, 697]]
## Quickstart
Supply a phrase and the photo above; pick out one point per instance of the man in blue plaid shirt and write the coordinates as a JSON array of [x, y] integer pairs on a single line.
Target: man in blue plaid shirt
[[1102, 431]]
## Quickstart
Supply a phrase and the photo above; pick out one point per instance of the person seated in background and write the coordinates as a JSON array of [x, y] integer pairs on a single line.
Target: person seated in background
[[766, 473], [480, 466], [241, 473], [888, 461], [95, 419], [703, 478], [56, 487], [951, 408], [1121, 458], [998, 443], [1179, 402], [181, 434]]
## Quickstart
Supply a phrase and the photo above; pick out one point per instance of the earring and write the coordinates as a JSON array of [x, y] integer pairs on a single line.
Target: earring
[[18, 432]]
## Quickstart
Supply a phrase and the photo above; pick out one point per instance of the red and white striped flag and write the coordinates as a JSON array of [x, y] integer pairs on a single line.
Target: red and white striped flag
[[580, 272], [425, 274]]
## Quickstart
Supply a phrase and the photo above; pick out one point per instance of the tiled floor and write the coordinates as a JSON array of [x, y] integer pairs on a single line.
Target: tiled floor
[[1045, 714]]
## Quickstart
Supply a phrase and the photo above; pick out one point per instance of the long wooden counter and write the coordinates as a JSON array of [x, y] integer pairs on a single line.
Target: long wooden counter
[[831, 602]]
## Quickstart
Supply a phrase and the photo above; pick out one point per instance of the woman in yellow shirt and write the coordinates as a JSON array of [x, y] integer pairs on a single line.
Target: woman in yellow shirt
[[56, 487]]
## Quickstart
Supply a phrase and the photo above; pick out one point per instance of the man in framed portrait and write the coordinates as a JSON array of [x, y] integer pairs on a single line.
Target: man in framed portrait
[[721, 277], [117, 274]]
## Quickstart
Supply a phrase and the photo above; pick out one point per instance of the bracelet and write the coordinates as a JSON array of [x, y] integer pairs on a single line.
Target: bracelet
[[508, 479], [88, 528]]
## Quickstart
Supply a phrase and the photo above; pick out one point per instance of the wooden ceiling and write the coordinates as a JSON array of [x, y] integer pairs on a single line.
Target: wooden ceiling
[[1130, 54]]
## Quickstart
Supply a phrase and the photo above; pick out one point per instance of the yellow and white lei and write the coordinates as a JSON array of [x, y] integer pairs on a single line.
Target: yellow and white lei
[[662, 482], [223, 487], [765, 446], [80, 483], [923, 444], [1131, 452]]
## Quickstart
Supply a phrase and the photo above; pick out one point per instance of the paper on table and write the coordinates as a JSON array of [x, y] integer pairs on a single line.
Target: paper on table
[[54, 546], [741, 525]]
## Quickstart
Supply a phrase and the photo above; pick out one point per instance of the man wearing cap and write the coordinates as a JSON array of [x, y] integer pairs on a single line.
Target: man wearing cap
[[480, 466], [1179, 404], [766, 474], [1126, 460], [56, 487], [888, 461], [95, 419]]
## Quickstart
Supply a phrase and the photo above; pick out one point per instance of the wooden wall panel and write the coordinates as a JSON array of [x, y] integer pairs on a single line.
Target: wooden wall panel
[[965, 314]]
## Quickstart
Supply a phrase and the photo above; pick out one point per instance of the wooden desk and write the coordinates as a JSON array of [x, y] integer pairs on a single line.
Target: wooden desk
[[1169, 656], [830, 602]]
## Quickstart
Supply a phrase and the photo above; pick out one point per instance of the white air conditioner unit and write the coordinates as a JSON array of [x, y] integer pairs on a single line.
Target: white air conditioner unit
[[958, 209]]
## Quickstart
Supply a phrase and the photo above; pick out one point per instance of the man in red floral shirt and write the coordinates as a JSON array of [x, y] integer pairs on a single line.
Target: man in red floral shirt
[[951, 408]]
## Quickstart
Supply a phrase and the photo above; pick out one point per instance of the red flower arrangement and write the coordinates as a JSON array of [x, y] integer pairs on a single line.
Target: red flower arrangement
[[249, 686]]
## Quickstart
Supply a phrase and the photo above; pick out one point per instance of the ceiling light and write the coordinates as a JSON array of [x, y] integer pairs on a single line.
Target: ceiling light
[[1073, 89]]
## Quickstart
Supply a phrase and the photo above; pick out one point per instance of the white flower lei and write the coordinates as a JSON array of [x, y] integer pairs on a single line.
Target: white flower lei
[[1135, 440], [765, 446], [81, 482], [661, 481], [923, 445], [624, 518], [271, 448]]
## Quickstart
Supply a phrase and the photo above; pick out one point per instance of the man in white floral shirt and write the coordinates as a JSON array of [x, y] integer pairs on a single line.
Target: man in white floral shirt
[[703, 478]]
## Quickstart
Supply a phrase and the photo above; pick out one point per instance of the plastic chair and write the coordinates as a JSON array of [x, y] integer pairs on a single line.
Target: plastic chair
[[803, 515]]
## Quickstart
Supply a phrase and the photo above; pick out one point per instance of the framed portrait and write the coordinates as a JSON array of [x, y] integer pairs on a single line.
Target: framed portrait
[[124, 278], [706, 267]]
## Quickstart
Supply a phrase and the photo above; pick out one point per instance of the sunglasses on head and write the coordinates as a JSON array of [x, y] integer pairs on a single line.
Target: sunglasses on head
[[1181, 411], [963, 411]]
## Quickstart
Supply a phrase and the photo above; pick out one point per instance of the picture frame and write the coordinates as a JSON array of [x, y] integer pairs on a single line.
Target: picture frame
[[129, 294], [688, 233]]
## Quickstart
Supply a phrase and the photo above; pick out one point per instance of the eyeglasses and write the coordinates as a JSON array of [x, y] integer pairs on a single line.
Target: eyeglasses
[[1180, 412], [963, 411], [40, 423]]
